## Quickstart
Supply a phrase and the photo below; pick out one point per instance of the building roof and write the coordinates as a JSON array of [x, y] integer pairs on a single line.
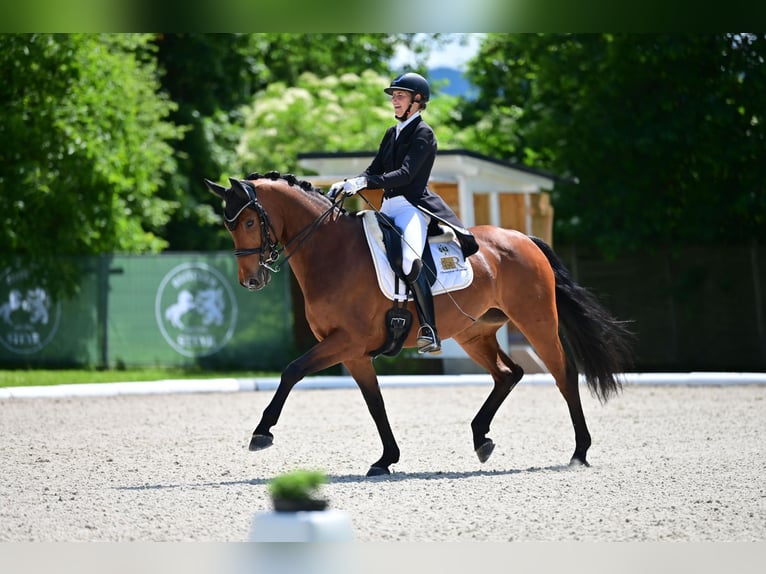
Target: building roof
[[480, 173]]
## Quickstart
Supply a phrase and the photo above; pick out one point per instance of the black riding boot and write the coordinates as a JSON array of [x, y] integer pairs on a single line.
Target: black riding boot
[[428, 340]]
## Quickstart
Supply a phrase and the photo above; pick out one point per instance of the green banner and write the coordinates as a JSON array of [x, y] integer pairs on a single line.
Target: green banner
[[36, 329], [165, 310]]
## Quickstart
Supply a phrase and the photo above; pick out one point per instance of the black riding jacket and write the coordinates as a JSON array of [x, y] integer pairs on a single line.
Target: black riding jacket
[[403, 165]]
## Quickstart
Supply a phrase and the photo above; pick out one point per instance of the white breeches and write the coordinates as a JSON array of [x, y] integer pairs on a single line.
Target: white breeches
[[414, 226]]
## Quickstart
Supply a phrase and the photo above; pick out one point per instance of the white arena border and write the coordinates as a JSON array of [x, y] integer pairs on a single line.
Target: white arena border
[[232, 385]]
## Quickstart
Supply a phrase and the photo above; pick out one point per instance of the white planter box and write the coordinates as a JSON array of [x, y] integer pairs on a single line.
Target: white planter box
[[305, 526]]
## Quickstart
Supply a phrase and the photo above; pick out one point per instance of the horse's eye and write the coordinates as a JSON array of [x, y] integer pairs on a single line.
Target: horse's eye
[[249, 222]]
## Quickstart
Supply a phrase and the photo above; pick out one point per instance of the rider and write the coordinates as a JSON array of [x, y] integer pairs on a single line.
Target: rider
[[402, 167]]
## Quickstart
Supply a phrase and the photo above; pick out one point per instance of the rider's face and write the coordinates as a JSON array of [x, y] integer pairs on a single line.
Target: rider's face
[[400, 99]]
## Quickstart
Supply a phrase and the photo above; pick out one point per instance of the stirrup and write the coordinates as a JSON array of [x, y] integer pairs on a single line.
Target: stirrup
[[428, 342]]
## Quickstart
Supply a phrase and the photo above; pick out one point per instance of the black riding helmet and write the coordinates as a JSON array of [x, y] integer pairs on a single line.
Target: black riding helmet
[[410, 82]]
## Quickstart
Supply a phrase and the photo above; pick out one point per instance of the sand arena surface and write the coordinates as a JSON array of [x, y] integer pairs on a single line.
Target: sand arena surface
[[673, 463]]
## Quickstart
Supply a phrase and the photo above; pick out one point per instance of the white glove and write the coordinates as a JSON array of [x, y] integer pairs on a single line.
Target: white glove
[[335, 189], [347, 186], [354, 184]]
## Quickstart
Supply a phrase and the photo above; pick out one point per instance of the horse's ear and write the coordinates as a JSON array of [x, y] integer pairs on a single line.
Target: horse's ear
[[238, 186], [219, 190]]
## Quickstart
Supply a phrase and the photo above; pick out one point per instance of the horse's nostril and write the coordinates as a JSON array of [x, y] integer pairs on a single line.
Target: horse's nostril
[[253, 284], [255, 281]]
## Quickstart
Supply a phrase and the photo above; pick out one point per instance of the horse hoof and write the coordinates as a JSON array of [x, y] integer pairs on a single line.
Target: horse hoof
[[485, 450], [261, 441], [576, 461], [378, 471]]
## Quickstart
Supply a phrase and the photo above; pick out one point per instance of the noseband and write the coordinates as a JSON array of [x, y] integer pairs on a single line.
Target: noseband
[[271, 246]]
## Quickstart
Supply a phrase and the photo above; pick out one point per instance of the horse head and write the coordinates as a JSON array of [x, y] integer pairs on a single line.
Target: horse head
[[249, 226]]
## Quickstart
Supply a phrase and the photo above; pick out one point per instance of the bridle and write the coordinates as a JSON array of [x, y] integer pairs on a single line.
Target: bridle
[[267, 229], [270, 249]]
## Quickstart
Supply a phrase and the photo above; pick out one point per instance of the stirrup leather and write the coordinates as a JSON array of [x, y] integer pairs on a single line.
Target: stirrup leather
[[428, 341]]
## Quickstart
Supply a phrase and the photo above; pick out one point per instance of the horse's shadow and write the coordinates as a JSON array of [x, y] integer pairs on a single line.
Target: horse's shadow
[[360, 478]]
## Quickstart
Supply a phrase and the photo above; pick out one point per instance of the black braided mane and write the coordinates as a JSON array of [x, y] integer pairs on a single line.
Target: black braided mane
[[288, 177]]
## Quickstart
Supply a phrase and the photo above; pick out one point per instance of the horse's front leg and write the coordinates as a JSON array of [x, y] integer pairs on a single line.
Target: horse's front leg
[[321, 356], [364, 374]]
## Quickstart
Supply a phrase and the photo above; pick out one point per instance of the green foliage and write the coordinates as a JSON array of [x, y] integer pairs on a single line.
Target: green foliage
[[297, 485], [665, 133], [286, 56], [346, 113], [83, 147]]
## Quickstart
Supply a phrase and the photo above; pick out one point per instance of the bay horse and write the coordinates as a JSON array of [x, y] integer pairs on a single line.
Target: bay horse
[[516, 278]]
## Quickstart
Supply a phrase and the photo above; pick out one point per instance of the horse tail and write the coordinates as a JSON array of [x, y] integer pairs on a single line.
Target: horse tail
[[596, 343]]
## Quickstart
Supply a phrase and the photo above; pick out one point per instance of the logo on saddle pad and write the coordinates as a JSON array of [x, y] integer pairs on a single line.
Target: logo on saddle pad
[[195, 309], [29, 318], [447, 260]]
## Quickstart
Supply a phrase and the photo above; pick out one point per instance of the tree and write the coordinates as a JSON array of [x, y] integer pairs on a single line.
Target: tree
[[84, 144], [665, 133]]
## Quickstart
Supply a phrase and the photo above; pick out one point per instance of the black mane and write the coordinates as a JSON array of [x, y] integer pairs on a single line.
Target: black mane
[[288, 177]]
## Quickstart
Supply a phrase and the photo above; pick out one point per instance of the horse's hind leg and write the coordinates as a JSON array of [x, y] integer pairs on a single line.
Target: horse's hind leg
[[480, 343], [543, 336], [572, 397]]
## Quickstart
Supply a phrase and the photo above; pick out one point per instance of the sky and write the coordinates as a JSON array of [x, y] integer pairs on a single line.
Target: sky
[[451, 55]]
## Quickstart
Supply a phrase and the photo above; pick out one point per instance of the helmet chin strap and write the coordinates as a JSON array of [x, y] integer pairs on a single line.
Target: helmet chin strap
[[406, 113]]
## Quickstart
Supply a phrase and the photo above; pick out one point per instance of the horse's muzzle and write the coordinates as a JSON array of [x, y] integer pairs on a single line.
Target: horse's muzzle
[[257, 281]]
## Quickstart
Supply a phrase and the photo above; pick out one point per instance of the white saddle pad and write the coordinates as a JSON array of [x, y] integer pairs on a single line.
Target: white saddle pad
[[453, 271]]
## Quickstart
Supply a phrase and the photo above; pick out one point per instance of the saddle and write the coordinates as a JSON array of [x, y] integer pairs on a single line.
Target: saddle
[[443, 263]]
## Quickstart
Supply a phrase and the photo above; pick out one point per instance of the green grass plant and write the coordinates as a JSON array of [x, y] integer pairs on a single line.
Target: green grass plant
[[41, 377]]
